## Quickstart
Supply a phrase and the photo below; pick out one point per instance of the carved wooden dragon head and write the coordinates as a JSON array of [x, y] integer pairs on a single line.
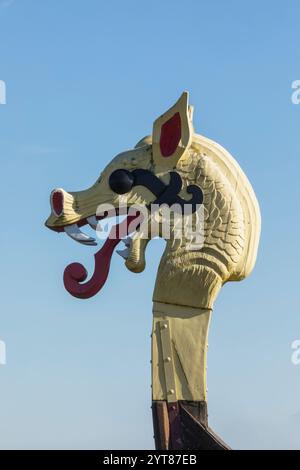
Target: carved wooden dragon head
[[173, 166]]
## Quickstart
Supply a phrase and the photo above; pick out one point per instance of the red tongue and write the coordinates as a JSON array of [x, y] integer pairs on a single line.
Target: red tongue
[[76, 273]]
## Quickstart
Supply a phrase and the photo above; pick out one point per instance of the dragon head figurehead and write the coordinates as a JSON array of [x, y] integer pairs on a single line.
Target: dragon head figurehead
[[187, 189], [173, 167]]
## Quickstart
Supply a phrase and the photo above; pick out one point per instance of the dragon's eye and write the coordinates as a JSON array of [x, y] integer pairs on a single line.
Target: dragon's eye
[[121, 181]]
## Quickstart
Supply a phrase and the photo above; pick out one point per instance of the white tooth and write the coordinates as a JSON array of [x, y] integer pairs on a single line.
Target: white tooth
[[74, 232], [123, 253], [93, 222]]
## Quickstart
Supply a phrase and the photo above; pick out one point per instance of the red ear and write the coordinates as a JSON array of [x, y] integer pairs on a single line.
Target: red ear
[[172, 134]]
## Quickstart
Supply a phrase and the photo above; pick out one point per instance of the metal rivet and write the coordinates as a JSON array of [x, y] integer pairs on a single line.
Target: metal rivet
[[165, 326], [171, 391], [168, 359]]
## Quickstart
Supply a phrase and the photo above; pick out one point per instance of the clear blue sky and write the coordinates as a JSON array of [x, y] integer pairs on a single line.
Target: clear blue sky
[[85, 80]]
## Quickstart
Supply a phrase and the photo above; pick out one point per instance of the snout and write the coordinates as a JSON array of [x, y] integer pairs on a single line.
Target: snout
[[64, 210], [70, 211]]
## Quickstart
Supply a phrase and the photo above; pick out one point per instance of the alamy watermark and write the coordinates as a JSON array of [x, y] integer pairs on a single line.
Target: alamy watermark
[[185, 224], [2, 92], [296, 94], [295, 357], [2, 353]]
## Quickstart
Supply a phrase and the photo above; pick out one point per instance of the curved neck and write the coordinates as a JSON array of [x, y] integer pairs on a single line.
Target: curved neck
[[187, 278]]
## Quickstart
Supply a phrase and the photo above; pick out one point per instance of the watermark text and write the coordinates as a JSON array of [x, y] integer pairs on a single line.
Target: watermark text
[[295, 357], [296, 94], [2, 353], [2, 92]]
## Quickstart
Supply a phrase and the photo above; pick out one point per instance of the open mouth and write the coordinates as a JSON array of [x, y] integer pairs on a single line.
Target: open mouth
[[75, 274]]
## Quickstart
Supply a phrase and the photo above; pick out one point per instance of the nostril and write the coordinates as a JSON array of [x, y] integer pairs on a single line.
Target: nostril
[[57, 202]]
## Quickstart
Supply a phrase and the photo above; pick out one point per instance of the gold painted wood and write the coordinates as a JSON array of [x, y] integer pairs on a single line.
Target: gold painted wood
[[188, 280], [188, 332], [166, 359]]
